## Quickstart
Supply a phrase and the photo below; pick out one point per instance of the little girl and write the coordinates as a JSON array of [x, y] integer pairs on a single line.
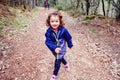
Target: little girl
[[56, 37]]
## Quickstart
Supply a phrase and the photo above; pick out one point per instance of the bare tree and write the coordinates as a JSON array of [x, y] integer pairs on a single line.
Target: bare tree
[[87, 6], [97, 5], [117, 8], [77, 3], [82, 6], [108, 9], [103, 7]]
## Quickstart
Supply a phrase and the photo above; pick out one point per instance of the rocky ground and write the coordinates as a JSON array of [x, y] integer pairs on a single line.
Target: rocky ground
[[95, 55]]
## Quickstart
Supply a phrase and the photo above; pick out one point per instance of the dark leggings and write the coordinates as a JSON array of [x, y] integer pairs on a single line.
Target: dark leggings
[[57, 65]]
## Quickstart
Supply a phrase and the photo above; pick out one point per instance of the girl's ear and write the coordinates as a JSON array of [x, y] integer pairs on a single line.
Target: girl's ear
[[47, 22]]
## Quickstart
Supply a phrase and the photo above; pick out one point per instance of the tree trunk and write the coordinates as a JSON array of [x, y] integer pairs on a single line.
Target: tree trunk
[[82, 7], [108, 9], [34, 3], [38, 3], [77, 3], [103, 7], [95, 11], [87, 6], [55, 2], [117, 8]]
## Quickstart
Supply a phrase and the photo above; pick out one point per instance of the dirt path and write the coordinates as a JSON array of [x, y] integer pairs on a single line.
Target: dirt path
[[33, 61]]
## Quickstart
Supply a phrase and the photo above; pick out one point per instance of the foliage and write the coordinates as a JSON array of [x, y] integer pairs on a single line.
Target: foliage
[[59, 7], [74, 13], [100, 16], [64, 5], [111, 7], [23, 7], [22, 20], [18, 19], [70, 7], [1, 26], [5, 21], [103, 7], [116, 5], [90, 17]]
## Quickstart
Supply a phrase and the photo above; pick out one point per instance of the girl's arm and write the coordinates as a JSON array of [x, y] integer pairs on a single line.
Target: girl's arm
[[50, 44], [68, 38]]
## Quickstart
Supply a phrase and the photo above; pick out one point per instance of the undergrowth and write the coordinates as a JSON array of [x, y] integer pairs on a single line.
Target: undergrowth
[[19, 19]]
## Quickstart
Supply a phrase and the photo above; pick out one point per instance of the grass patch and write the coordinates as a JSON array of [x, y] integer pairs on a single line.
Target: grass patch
[[19, 19], [74, 13], [93, 30], [24, 20], [35, 13], [5, 21], [87, 21], [98, 35], [19, 22], [1, 26]]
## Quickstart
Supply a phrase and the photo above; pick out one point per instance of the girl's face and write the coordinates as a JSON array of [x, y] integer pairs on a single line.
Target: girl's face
[[54, 22]]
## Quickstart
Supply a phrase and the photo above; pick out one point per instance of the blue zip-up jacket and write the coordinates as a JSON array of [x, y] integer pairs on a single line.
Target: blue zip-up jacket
[[63, 36]]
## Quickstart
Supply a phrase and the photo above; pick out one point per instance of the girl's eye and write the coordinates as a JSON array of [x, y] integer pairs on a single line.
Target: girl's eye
[[54, 21], [51, 21]]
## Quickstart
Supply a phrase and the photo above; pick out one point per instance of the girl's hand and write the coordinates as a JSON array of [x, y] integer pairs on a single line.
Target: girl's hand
[[57, 50], [70, 48]]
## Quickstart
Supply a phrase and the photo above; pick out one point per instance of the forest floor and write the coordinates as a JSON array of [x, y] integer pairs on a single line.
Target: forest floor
[[95, 55]]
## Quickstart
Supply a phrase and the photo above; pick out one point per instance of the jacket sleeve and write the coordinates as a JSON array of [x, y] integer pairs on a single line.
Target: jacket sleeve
[[50, 44], [68, 38]]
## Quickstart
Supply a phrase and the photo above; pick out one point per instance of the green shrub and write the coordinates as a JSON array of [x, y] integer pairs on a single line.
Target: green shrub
[[59, 7], [90, 17], [19, 22], [74, 13]]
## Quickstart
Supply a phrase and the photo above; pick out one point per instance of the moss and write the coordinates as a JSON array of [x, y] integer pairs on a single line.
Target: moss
[[100, 16], [90, 17], [1, 26], [74, 13]]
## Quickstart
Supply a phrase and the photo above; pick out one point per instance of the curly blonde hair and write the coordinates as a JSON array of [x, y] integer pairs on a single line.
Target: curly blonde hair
[[55, 13]]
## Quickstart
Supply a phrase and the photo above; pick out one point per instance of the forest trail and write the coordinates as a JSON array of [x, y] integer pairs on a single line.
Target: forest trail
[[32, 60]]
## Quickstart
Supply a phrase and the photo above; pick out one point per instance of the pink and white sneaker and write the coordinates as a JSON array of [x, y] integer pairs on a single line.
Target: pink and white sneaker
[[67, 67], [53, 77]]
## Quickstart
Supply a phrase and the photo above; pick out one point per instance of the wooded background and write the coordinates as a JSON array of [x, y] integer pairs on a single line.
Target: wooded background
[[109, 8]]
